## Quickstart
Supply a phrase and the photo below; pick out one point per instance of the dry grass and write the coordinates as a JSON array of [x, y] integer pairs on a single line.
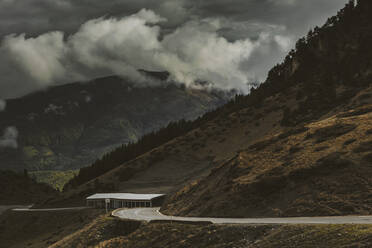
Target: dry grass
[[41, 229], [221, 236], [322, 169]]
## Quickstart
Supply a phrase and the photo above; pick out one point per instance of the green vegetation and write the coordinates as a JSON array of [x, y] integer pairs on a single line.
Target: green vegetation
[[80, 132], [90, 228], [130, 151], [57, 179], [326, 169], [328, 58], [42, 229], [20, 188]]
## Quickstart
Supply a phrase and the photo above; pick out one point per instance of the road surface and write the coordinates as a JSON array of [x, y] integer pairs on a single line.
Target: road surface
[[4, 208], [28, 209], [150, 214]]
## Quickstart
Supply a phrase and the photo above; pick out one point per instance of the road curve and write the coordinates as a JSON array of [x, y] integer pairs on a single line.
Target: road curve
[[151, 214]]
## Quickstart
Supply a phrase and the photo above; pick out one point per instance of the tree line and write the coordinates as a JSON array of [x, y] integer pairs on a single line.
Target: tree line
[[338, 53]]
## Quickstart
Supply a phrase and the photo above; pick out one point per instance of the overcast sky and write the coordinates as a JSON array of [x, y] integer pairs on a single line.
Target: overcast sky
[[228, 43]]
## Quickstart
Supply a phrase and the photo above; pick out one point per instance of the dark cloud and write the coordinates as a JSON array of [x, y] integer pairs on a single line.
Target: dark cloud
[[291, 13], [229, 43], [35, 17], [38, 16]]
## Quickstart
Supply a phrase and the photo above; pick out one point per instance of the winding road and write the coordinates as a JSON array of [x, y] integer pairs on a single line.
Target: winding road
[[153, 214]]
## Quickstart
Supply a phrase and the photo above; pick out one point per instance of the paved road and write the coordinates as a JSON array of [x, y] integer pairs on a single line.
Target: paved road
[[149, 214], [3, 208], [28, 209]]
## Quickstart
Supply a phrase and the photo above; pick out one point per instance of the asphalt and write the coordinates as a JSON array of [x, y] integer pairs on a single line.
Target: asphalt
[[153, 214], [4, 208], [28, 209]]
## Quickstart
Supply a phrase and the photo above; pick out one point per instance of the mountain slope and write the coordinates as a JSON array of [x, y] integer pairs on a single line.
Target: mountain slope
[[323, 168], [70, 126], [17, 188], [319, 166], [249, 157]]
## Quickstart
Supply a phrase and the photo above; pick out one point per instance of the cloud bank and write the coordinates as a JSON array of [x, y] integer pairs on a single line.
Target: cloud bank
[[9, 138], [224, 44], [193, 53]]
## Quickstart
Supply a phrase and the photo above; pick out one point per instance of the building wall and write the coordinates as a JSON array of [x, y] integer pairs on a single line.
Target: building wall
[[114, 204]]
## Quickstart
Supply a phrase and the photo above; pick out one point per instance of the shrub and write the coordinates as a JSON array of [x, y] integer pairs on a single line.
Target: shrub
[[331, 132], [357, 112], [364, 147], [295, 149], [368, 158], [365, 96], [293, 131], [262, 144], [278, 149], [321, 148], [368, 132], [349, 141]]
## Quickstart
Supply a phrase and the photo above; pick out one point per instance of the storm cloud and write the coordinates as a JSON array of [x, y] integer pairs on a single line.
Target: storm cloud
[[227, 44]]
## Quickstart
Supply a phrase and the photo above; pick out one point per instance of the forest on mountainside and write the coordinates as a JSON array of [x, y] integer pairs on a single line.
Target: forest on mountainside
[[336, 54], [318, 162]]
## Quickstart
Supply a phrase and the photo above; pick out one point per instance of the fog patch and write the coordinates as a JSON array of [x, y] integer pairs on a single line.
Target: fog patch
[[2, 105], [9, 138]]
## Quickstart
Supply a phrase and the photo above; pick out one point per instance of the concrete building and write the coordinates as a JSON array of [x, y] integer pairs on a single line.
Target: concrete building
[[125, 200]]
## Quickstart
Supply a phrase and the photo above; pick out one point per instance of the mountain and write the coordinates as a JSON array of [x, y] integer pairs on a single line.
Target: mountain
[[70, 126], [318, 162], [19, 188], [300, 144]]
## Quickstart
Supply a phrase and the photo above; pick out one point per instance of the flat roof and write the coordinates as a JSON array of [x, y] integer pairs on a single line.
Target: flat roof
[[124, 196]]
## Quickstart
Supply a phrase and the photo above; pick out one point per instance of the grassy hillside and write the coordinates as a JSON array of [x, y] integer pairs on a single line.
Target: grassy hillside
[[265, 154], [108, 232], [19, 188], [318, 162], [41, 229], [322, 168], [57, 179], [92, 228], [70, 126]]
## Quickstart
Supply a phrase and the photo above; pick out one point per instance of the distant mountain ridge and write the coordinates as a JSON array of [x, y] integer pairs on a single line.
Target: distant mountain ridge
[[70, 126]]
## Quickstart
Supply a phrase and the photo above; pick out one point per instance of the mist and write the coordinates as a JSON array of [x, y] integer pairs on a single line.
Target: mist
[[224, 45], [9, 138]]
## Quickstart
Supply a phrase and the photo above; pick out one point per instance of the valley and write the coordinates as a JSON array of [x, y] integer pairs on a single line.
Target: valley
[[287, 165], [69, 127]]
